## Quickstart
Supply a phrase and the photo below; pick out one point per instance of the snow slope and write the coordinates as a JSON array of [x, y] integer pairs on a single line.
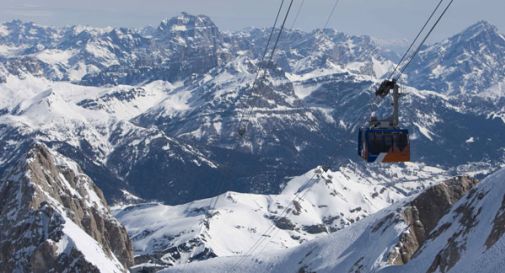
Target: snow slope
[[467, 238], [310, 206]]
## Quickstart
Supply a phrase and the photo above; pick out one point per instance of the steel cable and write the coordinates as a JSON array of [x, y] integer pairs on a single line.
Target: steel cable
[[424, 40], [415, 39]]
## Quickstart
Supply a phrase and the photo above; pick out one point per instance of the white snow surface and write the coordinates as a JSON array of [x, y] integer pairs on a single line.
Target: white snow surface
[[75, 237], [101, 52], [335, 252], [55, 56], [4, 31], [494, 92], [8, 51]]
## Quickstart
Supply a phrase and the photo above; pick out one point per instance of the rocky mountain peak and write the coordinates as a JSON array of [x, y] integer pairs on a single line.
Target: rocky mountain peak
[[481, 38], [126, 39], [187, 25], [478, 52], [17, 24], [481, 27], [469, 237], [53, 217]]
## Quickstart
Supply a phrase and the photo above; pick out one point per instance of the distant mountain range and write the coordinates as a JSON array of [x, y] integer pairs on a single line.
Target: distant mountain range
[[135, 107]]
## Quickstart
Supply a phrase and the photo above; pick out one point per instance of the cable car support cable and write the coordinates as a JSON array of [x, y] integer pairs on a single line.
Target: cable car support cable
[[331, 14], [297, 13], [299, 195], [415, 39], [243, 127], [272, 31], [272, 227], [424, 40], [280, 31]]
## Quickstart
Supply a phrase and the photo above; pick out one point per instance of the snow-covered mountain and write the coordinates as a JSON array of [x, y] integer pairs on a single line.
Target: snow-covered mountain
[[469, 62], [189, 44], [310, 206], [91, 125], [162, 128], [452, 227], [302, 52]]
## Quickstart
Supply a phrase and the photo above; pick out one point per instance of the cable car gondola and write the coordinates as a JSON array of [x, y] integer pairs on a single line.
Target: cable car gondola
[[384, 145], [383, 140]]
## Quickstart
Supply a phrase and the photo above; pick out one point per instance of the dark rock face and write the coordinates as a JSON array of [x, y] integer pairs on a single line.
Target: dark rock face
[[162, 167], [42, 197], [498, 226], [424, 212], [170, 256], [315, 229], [178, 48], [283, 223], [27, 33], [436, 201], [26, 65], [467, 237]]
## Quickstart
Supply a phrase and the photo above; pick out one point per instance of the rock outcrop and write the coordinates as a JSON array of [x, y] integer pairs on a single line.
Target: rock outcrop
[[469, 237], [53, 219], [424, 212]]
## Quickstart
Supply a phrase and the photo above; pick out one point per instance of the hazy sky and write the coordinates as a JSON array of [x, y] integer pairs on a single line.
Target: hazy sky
[[390, 19]]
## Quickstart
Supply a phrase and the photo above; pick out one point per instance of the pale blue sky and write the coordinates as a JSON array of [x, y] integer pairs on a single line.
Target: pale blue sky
[[389, 19]]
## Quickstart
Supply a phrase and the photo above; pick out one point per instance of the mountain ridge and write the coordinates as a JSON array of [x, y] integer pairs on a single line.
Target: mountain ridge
[[54, 218]]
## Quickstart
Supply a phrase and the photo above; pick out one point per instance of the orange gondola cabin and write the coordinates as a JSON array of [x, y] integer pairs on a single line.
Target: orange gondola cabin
[[383, 141]]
